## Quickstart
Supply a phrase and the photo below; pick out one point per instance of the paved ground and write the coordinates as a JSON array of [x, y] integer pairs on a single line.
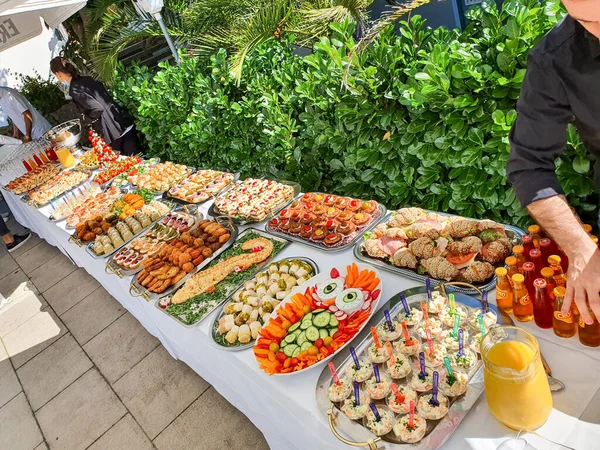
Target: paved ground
[[78, 371]]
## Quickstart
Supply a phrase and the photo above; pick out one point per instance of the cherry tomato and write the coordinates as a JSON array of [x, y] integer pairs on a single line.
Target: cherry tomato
[[294, 318], [274, 347], [295, 361], [280, 356], [286, 324], [319, 343], [327, 341], [313, 351]]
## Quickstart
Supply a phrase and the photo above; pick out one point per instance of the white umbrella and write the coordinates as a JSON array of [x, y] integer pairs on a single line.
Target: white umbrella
[[20, 20]]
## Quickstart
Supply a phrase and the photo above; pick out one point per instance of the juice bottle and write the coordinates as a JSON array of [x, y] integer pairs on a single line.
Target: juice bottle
[[516, 386], [559, 275], [529, 275], [534, 232], [595, 239], [512, 268], [548, 275], [587, 227], [51, 154], [518, 252], [589, 334], [27, 166], [564, 260], [527, 242], [535, 256], [564, 325], [548, 248], [44, 158], [37, 160], [32, 163], [522, 307], [504, 295], [543, 309]]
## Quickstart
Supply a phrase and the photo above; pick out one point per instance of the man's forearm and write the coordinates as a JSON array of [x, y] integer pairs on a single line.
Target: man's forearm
[[28, 123], [559, 222]]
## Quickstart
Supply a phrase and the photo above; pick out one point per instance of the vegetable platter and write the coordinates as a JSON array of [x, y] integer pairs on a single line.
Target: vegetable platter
[[254, 200], [418, 244], [388, 373], [318, 319], [252, 304], [130, 259], [181, 257], [212, 284], [325, 221], [202, 185]]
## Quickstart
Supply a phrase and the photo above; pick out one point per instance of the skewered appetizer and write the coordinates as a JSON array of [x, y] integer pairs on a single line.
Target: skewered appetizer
[[160, 177], [33, 179], [253, 304], [87, 208], [253, 199], [201, 186], [445, 248], [114, 168], [180, 256], [54, 187], [326, 220]]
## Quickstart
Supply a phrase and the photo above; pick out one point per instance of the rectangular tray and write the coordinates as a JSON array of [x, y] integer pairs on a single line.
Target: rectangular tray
[[113, 268], [216, 213], [438, 431], [27, 199], [109, 182], [301, 240], [236, 177], [235, 288], [237, 348], [88, 247], [358, 254], [133, 187], [137, 290]]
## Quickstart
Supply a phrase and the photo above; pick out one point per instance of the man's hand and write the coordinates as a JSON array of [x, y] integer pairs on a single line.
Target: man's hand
[[582, 281], [26, 139]]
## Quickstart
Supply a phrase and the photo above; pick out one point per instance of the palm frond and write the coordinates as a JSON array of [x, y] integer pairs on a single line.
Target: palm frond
[[387, 18]]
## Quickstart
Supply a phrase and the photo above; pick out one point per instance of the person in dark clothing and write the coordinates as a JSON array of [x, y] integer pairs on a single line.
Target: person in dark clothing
[[11, 241], [562, 84], [113, 124]]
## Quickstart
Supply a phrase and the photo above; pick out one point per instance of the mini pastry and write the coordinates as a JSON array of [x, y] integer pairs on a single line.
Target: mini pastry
[[320, 222], [332, 212], [308, 197], [330, 200], [295, 227], [369, 207], [307, 218], [274, 223], [306, 231], [319, 210], [295, 215], [318, 234], [342, 202], [332, 224], [284, 214], [333, 238], [361, 218], [346, 228], [345, 216], [284, 224], [354, 205]]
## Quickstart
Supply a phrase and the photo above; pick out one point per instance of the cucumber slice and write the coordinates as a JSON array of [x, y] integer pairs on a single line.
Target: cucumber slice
[[333, 331], [289, 338], [317, 311], [301, 339], [305, 346], [308, 317], [289, 350], [333, 322], [312, 334], [296, 352], [323, 333], [294, 327], [304, 325], [321, 320]]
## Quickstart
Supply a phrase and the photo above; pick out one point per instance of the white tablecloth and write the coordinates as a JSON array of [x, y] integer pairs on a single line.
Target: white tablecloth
[[285, 409]]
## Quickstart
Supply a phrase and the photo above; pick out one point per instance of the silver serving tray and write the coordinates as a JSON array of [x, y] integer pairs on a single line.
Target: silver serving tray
[[517, 233], [153, 161], [233, 288], [27, 199], [90, 251], [109, 182], [133, 187], [166, 195], [114, 268], [301, 240], [438, 431], [237, 348], [213, 211], [137, 290]]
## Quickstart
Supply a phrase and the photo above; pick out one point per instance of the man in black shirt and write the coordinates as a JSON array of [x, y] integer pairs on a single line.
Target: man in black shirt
[[562, 84]]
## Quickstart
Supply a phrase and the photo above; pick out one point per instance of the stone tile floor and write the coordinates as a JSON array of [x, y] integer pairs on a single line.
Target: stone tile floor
[[78, 371]]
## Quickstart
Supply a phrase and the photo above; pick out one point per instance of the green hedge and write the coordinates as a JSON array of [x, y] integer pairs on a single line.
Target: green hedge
[[423, 120]]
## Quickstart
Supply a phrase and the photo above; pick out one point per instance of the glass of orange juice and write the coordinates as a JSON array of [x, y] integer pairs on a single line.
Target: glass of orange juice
[[516, 386], [65, 157]]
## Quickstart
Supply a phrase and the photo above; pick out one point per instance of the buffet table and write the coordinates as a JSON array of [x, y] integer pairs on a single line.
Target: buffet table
[[285, 409]]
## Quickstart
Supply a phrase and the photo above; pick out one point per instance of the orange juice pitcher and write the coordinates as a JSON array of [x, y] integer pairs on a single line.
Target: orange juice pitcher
[[516, 386], [65, 157]]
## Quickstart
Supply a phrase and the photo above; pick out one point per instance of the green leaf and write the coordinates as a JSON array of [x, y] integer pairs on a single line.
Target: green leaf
[[581, 164], [499, 117], [336, 164], [422, 76]]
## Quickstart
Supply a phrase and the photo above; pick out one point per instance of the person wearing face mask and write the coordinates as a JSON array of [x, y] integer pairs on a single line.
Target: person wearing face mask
[[562, 85], [98, 108], [27, 121]]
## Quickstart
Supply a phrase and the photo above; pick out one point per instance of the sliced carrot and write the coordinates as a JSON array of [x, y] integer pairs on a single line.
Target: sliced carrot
[[373, 284]]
